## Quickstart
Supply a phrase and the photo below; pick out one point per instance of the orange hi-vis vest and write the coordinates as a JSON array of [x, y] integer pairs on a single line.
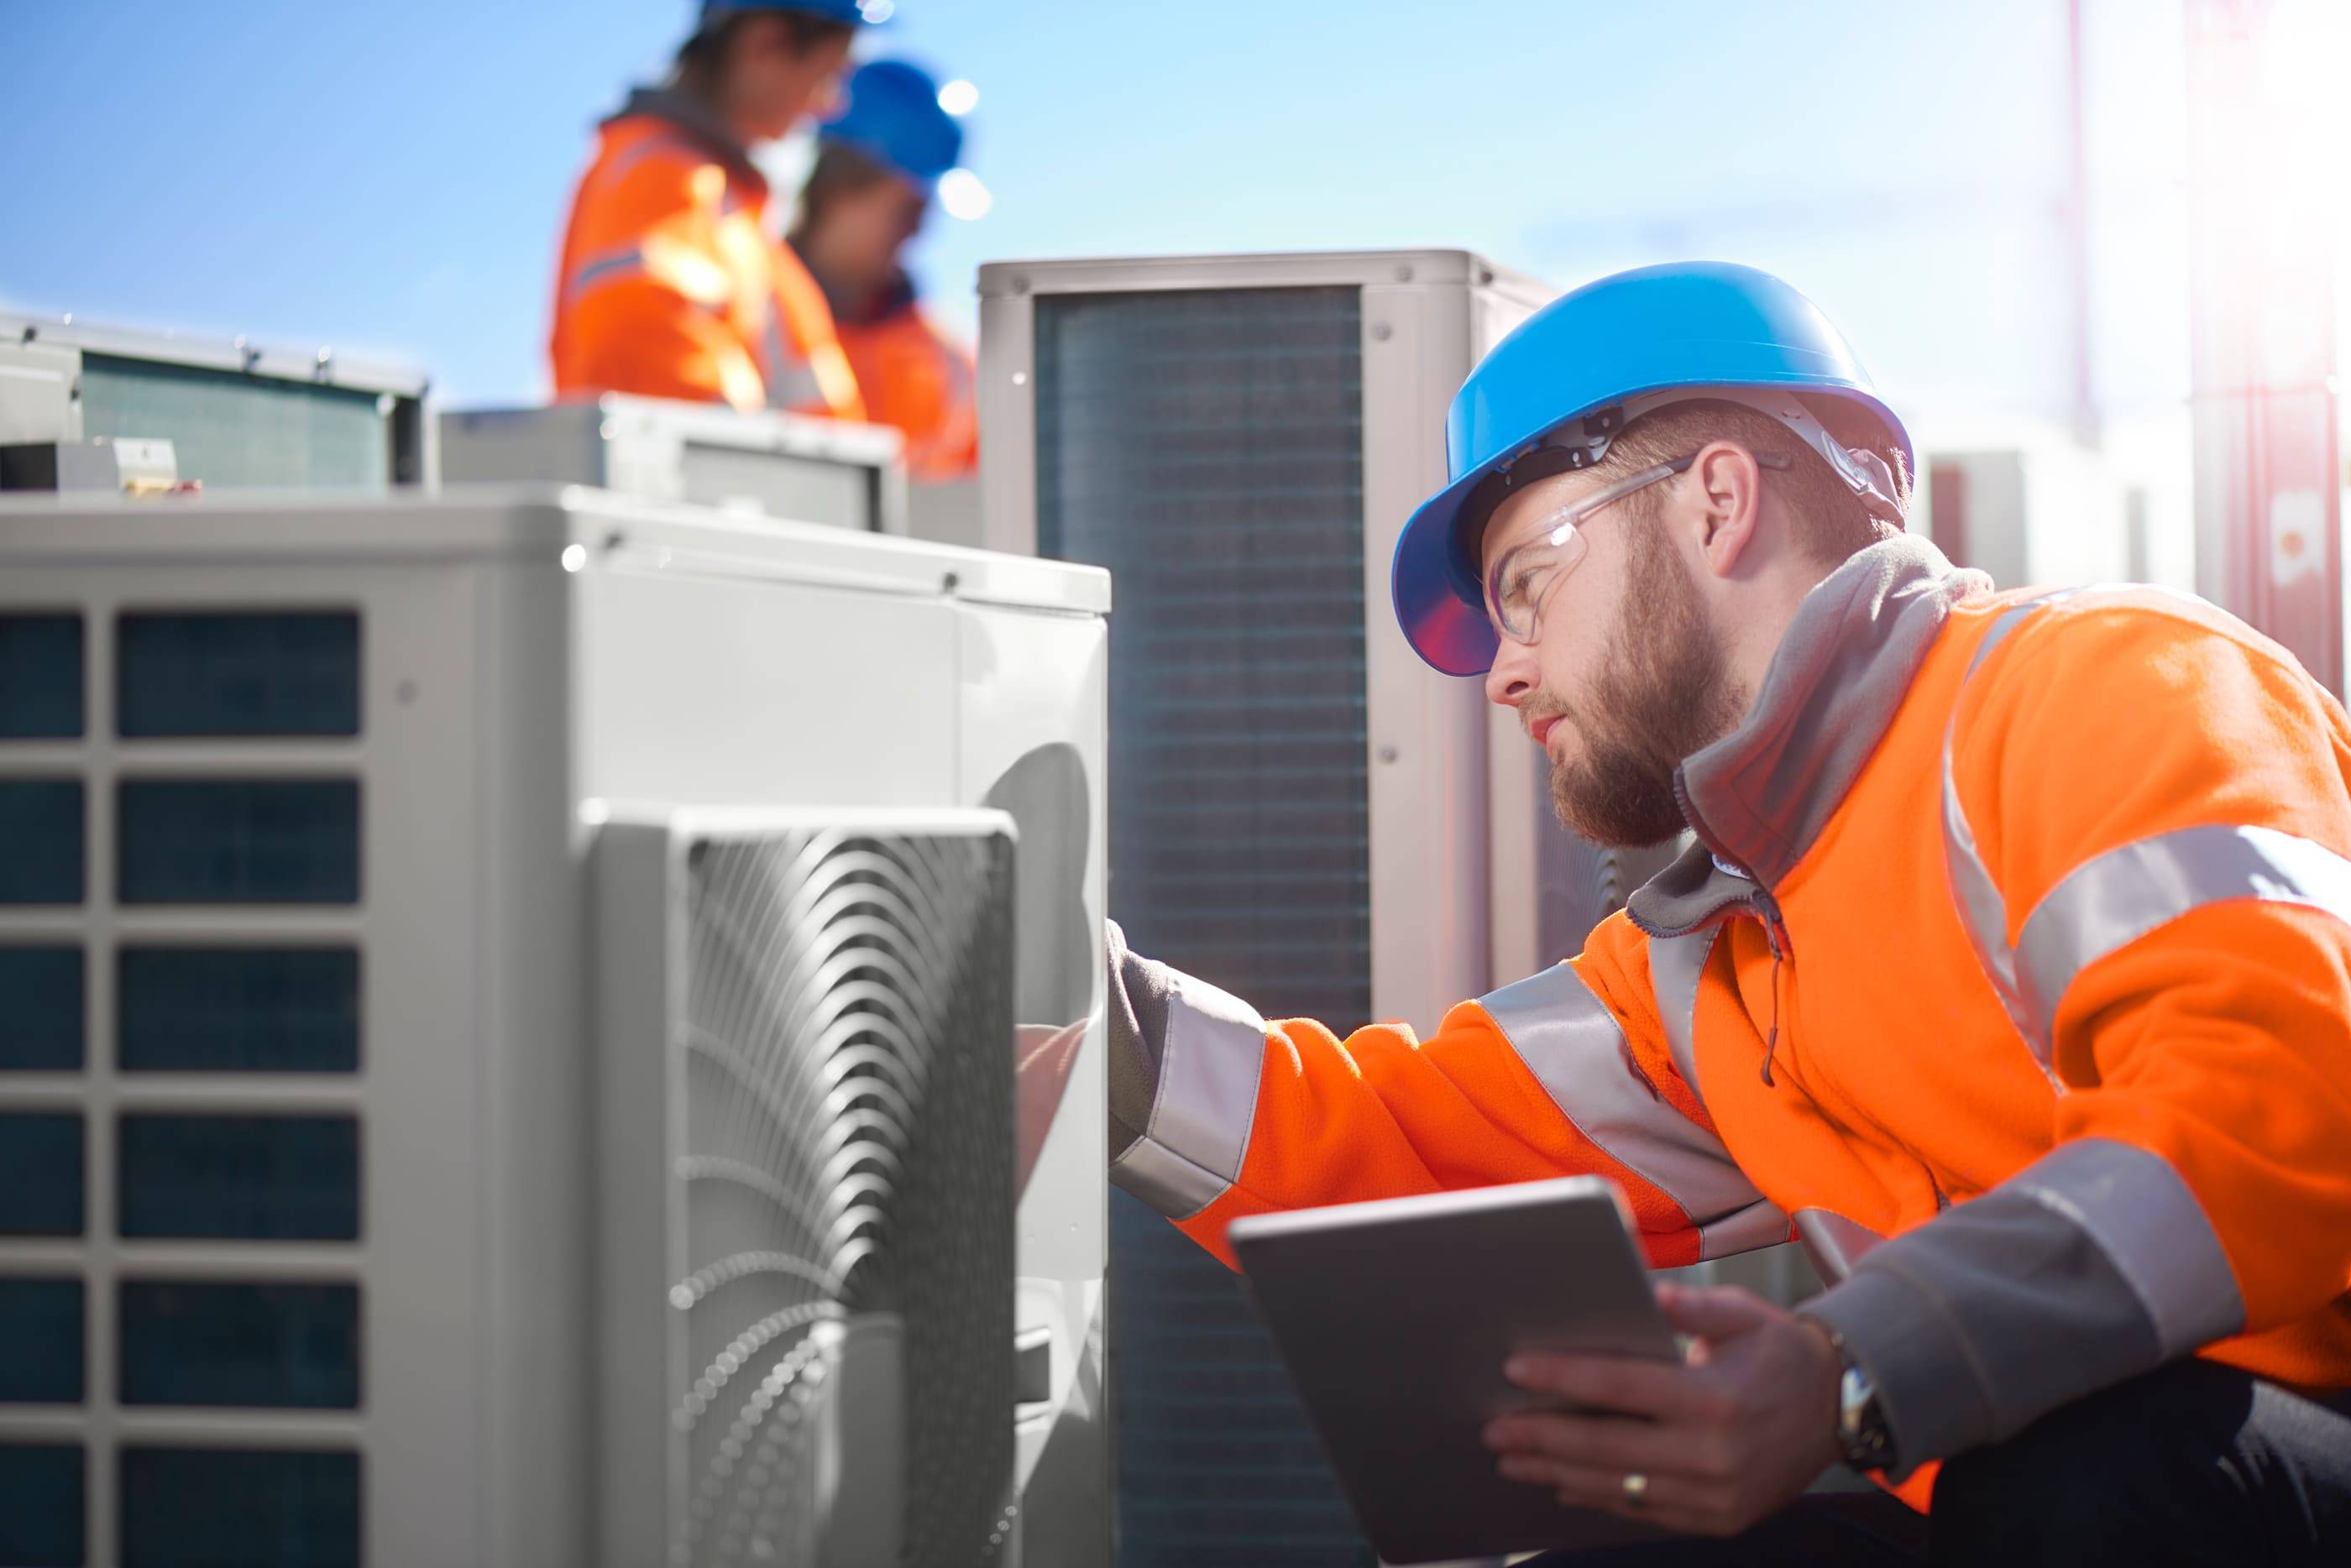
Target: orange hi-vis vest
[[2018, 931], [920, 380], [671, 286]]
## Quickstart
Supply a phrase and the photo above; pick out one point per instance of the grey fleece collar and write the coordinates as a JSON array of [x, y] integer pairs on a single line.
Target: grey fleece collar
[[1761, 795], [691, 116]]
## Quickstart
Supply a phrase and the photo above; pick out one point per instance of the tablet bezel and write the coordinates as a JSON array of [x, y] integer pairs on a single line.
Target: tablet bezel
[[1393, 1318]]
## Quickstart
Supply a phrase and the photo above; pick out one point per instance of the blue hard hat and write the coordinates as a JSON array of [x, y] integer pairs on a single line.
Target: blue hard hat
[[890, 111], [866, 12], [1589, 363]]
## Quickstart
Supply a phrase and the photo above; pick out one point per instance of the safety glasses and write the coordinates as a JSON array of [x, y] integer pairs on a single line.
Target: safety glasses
[[1523, 576]]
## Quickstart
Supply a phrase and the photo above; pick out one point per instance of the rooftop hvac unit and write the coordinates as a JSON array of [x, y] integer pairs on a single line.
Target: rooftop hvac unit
[[89, 408], [775, 465], [514, 1005], [2032, 508], [1304, 814]]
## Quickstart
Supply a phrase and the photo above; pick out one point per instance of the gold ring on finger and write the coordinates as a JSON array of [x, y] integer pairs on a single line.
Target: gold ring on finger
[[1636, 1487]]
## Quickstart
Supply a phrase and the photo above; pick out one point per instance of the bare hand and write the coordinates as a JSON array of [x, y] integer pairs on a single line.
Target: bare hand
[[1726, 1439]]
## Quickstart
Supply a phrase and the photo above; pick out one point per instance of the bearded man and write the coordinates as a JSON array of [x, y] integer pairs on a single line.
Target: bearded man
[[2010, 968]]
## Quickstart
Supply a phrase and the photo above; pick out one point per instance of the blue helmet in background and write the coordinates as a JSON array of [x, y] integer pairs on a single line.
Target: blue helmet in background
[[1555, 393], [857, 13], [891, 112]]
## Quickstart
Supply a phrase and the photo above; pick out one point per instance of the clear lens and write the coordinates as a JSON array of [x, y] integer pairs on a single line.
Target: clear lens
[[1524, 577]]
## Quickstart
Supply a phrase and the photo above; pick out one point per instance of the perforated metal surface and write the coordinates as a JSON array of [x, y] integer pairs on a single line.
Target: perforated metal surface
[[847, 1164]]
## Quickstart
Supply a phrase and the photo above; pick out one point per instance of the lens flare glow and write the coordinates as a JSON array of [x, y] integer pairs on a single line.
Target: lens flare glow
[[959, 98], [963, 196]]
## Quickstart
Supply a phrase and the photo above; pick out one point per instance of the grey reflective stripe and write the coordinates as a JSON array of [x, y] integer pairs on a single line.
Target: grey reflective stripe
[[1760, 1224], [2151, 1228], [1676, 964], [626, 261], [1982, 910], [1190, 1153], [2111, 900], [792, 381], [1571, 1043], [2106, 903], [638, 152], [2091, 1266]]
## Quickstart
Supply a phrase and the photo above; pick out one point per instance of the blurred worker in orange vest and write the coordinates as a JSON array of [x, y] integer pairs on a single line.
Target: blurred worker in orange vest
[[672, 285], [880, 162]]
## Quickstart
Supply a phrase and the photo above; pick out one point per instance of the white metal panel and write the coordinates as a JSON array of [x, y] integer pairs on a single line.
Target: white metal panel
[[324, 366], [1427, 734], [1008, 422], [1035, 689], [1300, 269], [787, 466], [698, 691]]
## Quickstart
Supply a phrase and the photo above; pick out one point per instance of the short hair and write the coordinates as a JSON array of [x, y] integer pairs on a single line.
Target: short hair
[[1829, 521], [700, 58]]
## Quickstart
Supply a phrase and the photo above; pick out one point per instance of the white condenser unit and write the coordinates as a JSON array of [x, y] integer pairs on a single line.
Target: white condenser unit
[[1303, 813], [87, 406], [547, 1029], [767, 463]]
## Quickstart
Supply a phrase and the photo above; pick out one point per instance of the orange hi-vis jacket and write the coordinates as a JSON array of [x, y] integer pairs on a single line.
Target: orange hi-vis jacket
[[671, 285], [2018, 931], [919, 379]]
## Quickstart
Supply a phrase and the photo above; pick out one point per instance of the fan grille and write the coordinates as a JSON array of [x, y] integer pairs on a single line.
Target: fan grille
[[847, 1156]]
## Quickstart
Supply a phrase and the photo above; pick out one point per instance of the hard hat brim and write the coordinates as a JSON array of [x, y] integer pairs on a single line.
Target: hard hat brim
[[1448, 632]]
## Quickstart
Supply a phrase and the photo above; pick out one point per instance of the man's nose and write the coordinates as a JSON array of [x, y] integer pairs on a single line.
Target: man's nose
[[1513, 674]]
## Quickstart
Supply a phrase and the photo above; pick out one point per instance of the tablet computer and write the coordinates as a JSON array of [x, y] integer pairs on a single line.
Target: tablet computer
[[1394, 1317]]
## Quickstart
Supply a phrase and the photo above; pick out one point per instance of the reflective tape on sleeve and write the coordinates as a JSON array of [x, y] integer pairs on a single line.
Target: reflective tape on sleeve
[[2110, 901], [1191, 1150], [1571, 1043]]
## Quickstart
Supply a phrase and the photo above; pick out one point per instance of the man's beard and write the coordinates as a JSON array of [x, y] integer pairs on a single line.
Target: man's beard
[[1664, 693]]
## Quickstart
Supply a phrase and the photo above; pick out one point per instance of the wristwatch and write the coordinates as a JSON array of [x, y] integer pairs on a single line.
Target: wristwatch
[[1863, 1435]]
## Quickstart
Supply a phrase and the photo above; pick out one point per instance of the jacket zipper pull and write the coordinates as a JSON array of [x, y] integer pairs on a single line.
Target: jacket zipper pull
[[1774, 937]]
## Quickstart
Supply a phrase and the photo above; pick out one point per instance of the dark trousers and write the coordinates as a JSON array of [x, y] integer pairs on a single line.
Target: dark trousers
[[2194, 1464]]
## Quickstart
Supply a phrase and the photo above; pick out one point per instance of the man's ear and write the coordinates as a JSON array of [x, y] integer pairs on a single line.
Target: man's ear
[[1727, 488]]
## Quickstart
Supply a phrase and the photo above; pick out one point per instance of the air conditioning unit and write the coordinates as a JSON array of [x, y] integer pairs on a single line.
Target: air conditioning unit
[[1305, 814], [79, 399], [780, 465], [514, 1010]]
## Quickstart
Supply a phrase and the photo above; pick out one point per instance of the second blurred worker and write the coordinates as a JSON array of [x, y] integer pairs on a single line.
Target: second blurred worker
[[879, 163], [671, 285]]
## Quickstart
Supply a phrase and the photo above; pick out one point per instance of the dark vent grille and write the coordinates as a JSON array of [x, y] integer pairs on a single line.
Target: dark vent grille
[[848, 1192], [1206, 447], [281, 672], [257, 1508]]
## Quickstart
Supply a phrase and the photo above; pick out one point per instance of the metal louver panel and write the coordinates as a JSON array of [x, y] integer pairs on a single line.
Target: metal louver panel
[[1206, 447], [844, 1279]]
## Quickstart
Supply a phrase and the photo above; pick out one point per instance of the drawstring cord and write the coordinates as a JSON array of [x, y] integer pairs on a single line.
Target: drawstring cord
[[1771, 1041]]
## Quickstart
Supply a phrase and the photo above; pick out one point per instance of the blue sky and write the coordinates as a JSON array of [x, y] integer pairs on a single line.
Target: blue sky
[[392, 178]]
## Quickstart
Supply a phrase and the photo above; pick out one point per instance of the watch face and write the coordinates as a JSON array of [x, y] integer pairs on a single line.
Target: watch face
[[1861, 1424]]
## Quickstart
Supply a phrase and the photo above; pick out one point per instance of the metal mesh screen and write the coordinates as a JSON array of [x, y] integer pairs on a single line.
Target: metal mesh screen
[[849, 1167], [1206, 447], [232, 430]]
